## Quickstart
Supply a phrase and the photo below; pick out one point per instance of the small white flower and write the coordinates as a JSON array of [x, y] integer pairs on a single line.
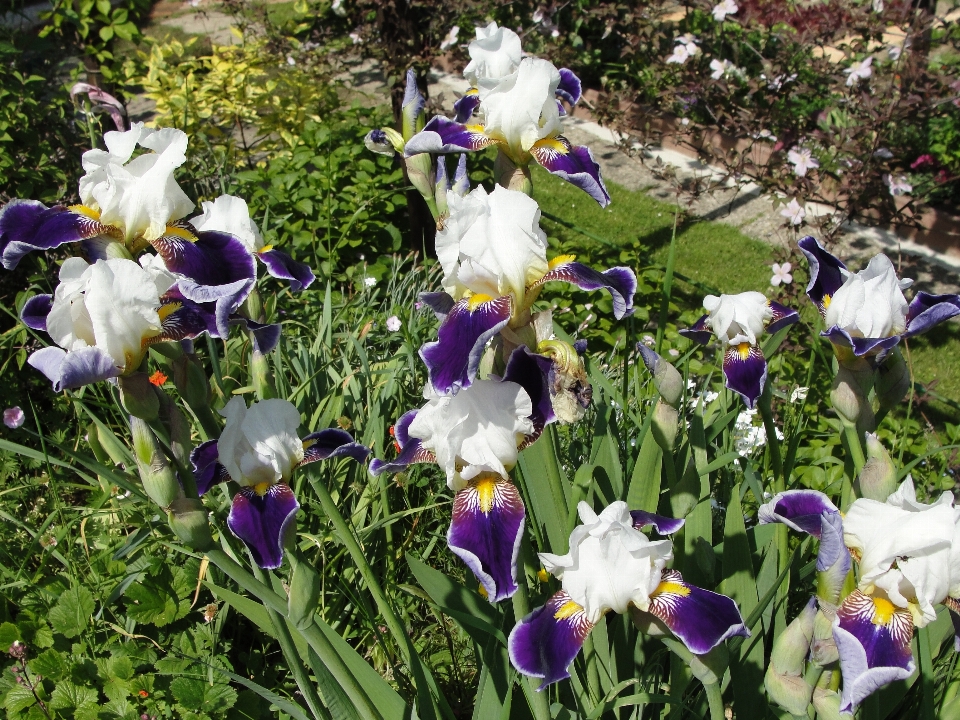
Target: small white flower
[[648, 340], [799, 393], [766, 135], [355, 37], [680, 55], [794, 212], [13, 417], [779, 81], [781, 274], [369, 281], [898, 184], [394, 323], [859, 71], [338, 8], [878, 6], [883, 154], [673, 352], [719, 68], [894, 51], [685, 49], [802, 160], [724, 8], [451, 38], [290, 60]]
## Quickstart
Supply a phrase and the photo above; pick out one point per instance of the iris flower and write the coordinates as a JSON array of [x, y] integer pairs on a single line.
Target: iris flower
[[104, 316], [259, 450], [908, 561], [612, 565], [494, 258], [475, 436], [866, 313], [738, 321]]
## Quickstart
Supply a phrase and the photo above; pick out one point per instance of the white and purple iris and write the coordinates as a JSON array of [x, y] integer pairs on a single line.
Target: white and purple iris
[[866, 313], [908, 561], [259, 449], [132, 202], [517, 107], [612, 565], [738, 321], [494, 257]]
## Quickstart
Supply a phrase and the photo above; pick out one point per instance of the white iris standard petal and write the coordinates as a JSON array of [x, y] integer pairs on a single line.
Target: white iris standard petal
[[230, 214], [870, 303], [494, 54], [477, 429], [259, 444], [738, 318], [522, 108], [904, 548], [610, 564]]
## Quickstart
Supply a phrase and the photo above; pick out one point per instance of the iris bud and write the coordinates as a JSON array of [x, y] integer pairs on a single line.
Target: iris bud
[[666, 378], [878, 479], [159, 480], [421, 176], [384, 141], [665, 425], [304, 594], [784, 678], [849, 394], [823, 649], [893, 380], [827, 704], [188, 520], [138, 396]]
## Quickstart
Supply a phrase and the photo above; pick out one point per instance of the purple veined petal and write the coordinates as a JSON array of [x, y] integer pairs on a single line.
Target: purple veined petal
[[225, 299], [443, 136], [485, 531], [873, 639], [745, 372], [800, 510], [410, 450], [96, 95], [825, 275], [700, 332], [461, 181], [115, 115], [662, 524], [464, 107], [207, 470], [440, 302], [28, 225], [876, 348], [207, 258], [454, 358], [443, 179], [833, 558], [546, 641], [953, 605], [782, 317], [561, 110], [180, 319], [69, 370], [265, 335], [262, 521], [283, 267], [532, 373], [569, 88], [573, 163], [206, 310], [620, 282], [700, 618], [928, 310], [412, 106], [332, 443], [35, 311]]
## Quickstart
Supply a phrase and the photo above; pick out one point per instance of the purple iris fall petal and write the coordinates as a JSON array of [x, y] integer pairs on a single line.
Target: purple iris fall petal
[[573, 163], [410, 449], [35, 311], [873, 639], [464, 107], [265, 335], [180, 320], [454, 358], [28, 225], [782, 317], [461, 181], [800, 510], [485, 531], [441, 135], [208, 258], [207, 470], [547, 640], [928, 310], [569, 88], [662, 524], [69, 370], [699, 332], [620, 282], [874, 347], [440, 302], [223, 298], [700, 618], [745, 372], [283, 267], [825, 272], [532, 373], [332, 443], [262, 521]]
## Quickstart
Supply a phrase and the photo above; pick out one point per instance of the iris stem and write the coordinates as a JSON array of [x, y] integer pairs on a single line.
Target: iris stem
[[714, 700], [294, 661], [773, 442], [313, 635], [855, 449], [667, 283], [926, 674]]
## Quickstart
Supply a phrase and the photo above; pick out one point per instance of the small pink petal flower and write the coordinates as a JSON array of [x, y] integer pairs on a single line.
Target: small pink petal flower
[[394, 323], [13, 417], [781, 274]]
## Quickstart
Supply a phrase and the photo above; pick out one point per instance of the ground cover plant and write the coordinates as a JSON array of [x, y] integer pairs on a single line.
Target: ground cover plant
[[529, 477]]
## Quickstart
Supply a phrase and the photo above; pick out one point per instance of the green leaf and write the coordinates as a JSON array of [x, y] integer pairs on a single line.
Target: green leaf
[[66, 696], [151, 603], [8, 634], [51, 664], [198, 695], [72, 612], [644, 490], [545, 488], [18, 698]]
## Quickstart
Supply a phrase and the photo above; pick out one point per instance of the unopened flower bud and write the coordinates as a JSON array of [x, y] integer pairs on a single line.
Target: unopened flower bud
[[442, 187], [666, 378], [848, 396], [665, 425], [570, 389], [878, 479], [827, 704], [159, 480], [784, 679], [823, 649], [421, 176], [893, 380], [304, 595], [413, 116], [189, 522], [384, 141], [138, 396]]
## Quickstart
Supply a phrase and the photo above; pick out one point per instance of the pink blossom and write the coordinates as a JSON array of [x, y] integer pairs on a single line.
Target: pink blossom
[[802, 160], [859, 71], [794, 212], [724, 8], [13, 417], [781, 274]]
